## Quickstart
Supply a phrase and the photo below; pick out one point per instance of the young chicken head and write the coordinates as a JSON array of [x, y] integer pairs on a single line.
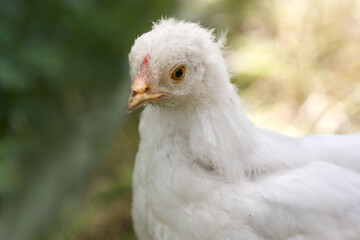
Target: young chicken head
[[176, 63]]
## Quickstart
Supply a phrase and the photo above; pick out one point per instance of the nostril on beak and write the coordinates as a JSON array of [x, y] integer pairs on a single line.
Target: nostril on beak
[[134, 93]]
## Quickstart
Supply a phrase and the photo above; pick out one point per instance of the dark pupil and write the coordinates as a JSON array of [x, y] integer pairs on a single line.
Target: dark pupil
[[179, 73]]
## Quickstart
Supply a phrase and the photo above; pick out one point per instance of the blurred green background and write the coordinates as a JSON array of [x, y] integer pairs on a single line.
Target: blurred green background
[[67, 146]]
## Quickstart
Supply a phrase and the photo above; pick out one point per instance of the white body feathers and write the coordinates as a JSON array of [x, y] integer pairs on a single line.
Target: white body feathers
[[203, 171]]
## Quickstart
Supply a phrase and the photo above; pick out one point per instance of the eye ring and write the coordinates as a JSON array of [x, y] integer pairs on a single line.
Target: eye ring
[[178, 73]]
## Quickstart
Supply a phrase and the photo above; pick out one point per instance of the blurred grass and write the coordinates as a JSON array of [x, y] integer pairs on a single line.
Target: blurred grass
[[66, 146], [303, 57], [105, 212]]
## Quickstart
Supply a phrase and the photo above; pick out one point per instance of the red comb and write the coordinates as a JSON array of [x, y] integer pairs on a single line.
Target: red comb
[[146, 62]]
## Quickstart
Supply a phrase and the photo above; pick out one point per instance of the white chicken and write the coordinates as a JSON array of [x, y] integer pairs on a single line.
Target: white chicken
[[204, 171]]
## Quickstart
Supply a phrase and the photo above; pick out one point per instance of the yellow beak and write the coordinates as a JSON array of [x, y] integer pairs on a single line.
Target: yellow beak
[[141, 93]]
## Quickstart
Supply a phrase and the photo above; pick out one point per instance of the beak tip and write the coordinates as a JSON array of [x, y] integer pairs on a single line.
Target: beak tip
[[140, 99], [129, 107], [129, 110]]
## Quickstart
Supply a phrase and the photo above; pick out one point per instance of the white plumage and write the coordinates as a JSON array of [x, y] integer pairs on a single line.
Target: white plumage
[[203, 171]]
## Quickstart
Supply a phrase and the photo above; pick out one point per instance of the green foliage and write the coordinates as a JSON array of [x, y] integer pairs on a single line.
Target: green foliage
[[63, 75]]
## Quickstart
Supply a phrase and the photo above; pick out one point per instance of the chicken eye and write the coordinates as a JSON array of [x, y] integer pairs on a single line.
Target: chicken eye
[[178, 73]]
